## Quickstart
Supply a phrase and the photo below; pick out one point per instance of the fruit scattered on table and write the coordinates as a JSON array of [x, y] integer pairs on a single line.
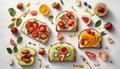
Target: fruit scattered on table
[[108, 26], [103, 56], [101, 9], [110, 40], [78, 2], [92, 56], [41, 51], [14, 30], [33, 12], [56, 5], [20, 6], [12, 42], [86, 20], [60, 36], [44, 9]]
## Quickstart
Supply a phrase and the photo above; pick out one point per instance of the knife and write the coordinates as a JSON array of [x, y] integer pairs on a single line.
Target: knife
[[86, 61]]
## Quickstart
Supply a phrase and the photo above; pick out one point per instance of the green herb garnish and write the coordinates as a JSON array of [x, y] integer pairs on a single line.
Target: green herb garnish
[[12, 12], [18, 22], [98, 23], [15, 49], [9, 50], [50, 18], [19, 39], [11, 25], [61, 1], [103, 33]]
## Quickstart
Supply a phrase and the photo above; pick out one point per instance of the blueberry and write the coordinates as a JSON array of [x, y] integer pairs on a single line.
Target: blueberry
[[85, 3], [89, 6]]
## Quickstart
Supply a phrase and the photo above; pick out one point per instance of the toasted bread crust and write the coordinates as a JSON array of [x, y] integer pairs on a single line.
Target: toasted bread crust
[[30, 36], [74, 29], [74, 58], [96, 47]]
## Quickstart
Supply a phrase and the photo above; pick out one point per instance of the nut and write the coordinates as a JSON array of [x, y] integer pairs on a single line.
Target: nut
[[28, 4], [46, 65], [11, 61], [110, 40], [78, 65], [97, 64]]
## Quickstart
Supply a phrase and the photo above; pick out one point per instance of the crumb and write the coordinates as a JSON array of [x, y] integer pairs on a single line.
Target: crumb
[[46, 65], [72, 35], [97, 64], [111, 61], [11, 61], [106, 47], [29, 43], [110, 40], [78, 65]]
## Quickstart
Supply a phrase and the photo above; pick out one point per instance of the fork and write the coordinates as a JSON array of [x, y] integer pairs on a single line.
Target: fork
[[86, 61]]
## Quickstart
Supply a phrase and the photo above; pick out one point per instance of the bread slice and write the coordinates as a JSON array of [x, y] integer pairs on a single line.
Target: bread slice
[[25, 31], [55, 51], [90, 39], [62, 17]]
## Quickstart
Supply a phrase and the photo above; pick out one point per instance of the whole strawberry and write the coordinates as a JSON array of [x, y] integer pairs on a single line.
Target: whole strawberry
[[108, 26], [56, 5], [20, 6], [41, 51], [14, 30]]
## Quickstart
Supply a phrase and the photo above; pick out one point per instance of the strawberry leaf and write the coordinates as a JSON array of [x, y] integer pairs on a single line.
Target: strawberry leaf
[[9, 50]]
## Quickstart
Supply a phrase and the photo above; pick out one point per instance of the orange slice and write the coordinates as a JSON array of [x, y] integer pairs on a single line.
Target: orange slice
[[44, 9]]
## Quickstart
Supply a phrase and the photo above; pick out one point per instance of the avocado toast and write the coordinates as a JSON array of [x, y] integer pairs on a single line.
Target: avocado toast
[[62, 52]]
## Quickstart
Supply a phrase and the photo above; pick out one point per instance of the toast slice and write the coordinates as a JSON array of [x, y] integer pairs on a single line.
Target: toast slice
[[89, 38], [36, 29], [66, 21], [62, 52]]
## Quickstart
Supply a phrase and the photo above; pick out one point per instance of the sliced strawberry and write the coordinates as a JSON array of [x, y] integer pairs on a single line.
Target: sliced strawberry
[[42, 28], [30, 30], [92, 56], [28, 25], [12, 42], [33, 12], [61, 24], [103, 56], [68, 15], [85, 19], [44, 35], [63, 50], [60, 36], [56, 5], [92, 33], [34, 34], [35, 25], [82, 41], [88, 31], [71, 23], [61, 57]]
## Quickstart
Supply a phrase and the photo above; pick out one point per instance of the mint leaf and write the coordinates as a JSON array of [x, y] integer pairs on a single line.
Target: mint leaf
[[15, 49], [11, 25], [9, 50], [103, 33], [98, 23], [50, 18], [12, 12], [19, 39], [18, 22]]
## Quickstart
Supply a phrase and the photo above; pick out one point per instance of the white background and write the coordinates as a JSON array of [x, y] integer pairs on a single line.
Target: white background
[[113, 49]]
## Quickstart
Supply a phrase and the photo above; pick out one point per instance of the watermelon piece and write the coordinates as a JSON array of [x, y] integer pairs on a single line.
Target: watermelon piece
[[92, 56], [86, 20]]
